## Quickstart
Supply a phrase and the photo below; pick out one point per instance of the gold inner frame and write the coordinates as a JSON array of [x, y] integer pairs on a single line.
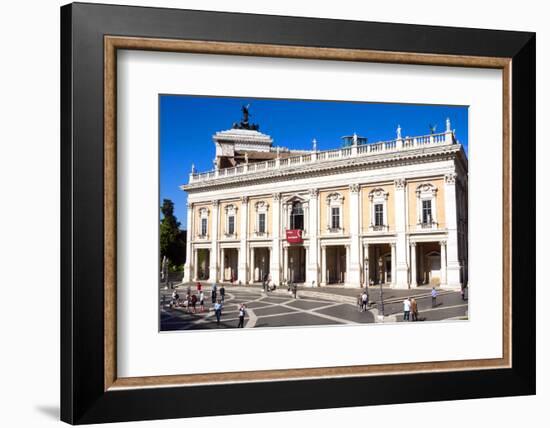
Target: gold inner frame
[[113, 43]]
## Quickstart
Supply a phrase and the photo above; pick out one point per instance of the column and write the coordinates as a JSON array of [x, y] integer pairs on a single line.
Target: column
[[243, 278], [401, 277], [420, 254], [188, 268], [443, 263], [213, 277], [323, 265], [413, 265], [354, 272], [312, 268], [285, 264], [366, 264], [453, 264], [195, 264], [275, 268], [348, 259], [252, 265], [393, 264], [222, 264]]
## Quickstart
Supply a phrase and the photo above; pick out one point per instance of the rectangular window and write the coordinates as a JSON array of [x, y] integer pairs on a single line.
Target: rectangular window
[[335, 218], [379, 215], [231, 225], [261, 223], [204, 226], [427, 211]]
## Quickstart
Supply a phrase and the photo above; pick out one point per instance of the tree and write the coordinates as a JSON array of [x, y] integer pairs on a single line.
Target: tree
[[172, 238]]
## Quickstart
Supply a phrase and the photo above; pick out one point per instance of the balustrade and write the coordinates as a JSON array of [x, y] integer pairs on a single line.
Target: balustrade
[[401, 144]]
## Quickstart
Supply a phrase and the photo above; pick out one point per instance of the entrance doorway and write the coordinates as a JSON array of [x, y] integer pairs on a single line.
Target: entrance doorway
[[336, 264], [379, 264], [261, 264], [203, 264], [296, 264], [230, 264], [428, 263]]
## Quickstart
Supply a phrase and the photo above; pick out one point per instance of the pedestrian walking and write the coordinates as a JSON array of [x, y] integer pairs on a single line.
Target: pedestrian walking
[[201, 301], [364, 301], [434, 297], [463, 292], [199, 287], [414, 309], [222, 293], [214, 294], [189, 290], [406, 309], [187, 302], [175, 299], [218, 311], [242, 314], [295, 290], [194, 303]]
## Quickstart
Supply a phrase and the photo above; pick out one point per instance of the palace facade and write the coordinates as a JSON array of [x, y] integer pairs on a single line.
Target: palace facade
[[392, 212]]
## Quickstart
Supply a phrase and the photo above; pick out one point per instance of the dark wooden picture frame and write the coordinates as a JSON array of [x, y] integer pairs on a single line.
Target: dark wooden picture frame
[[90, 37]]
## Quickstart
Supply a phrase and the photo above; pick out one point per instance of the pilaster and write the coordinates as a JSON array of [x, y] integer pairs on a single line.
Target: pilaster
[[453, 264], [354, 272], [188, 268], [312, 269], [275, 268], [242, 275], [213, 276], [401, 277]]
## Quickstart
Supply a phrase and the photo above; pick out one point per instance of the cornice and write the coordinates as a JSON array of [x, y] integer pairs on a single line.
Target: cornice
[[412, 157]]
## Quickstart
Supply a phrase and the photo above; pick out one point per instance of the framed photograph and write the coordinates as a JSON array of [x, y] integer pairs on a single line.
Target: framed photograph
[[292, 213]]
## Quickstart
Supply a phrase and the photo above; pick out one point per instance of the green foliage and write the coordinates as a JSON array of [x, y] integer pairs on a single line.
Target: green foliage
[[172, 239]]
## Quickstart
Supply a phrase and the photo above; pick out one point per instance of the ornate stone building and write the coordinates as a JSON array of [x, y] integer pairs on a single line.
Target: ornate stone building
[[393, 212]]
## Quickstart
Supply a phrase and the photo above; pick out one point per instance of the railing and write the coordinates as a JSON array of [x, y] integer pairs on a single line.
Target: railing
[[402, 144]]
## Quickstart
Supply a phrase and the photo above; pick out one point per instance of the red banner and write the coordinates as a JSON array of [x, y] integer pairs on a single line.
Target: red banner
[[294, 236]]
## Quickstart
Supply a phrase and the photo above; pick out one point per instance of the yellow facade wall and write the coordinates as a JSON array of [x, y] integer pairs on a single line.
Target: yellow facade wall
[[323, 214], [366, 208], [252, 214], [440, 201]]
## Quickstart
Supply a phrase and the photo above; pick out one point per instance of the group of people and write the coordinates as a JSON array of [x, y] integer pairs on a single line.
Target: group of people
[[192, 299], [363, 301], [410, 307], [217, 298]]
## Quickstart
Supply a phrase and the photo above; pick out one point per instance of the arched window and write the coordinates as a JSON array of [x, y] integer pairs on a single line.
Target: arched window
[[379, 210], [230, 221], [426, 207], [297, 216], [261, 218], [203, 225], [335, 208]]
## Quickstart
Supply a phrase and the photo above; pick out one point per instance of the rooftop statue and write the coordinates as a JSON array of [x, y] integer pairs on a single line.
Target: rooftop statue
[[244, 123]]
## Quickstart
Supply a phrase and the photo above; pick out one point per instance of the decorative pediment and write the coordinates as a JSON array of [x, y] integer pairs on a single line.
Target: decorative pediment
[[335, 197], [426, 189], [378, 193], [203, 212], [295, 198], [261, 206], [230, 208]]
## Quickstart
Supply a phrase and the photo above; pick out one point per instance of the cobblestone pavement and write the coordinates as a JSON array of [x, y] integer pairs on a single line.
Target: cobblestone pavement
[[318, 306]]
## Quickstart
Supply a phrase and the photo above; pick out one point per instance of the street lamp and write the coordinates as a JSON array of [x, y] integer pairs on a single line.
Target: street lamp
[[366, 264], [380, 264]]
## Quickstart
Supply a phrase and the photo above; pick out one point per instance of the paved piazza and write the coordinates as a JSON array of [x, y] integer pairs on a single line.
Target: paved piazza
[[312, 307]]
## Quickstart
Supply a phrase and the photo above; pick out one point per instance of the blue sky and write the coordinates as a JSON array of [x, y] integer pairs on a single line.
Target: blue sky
[[187, 124]]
